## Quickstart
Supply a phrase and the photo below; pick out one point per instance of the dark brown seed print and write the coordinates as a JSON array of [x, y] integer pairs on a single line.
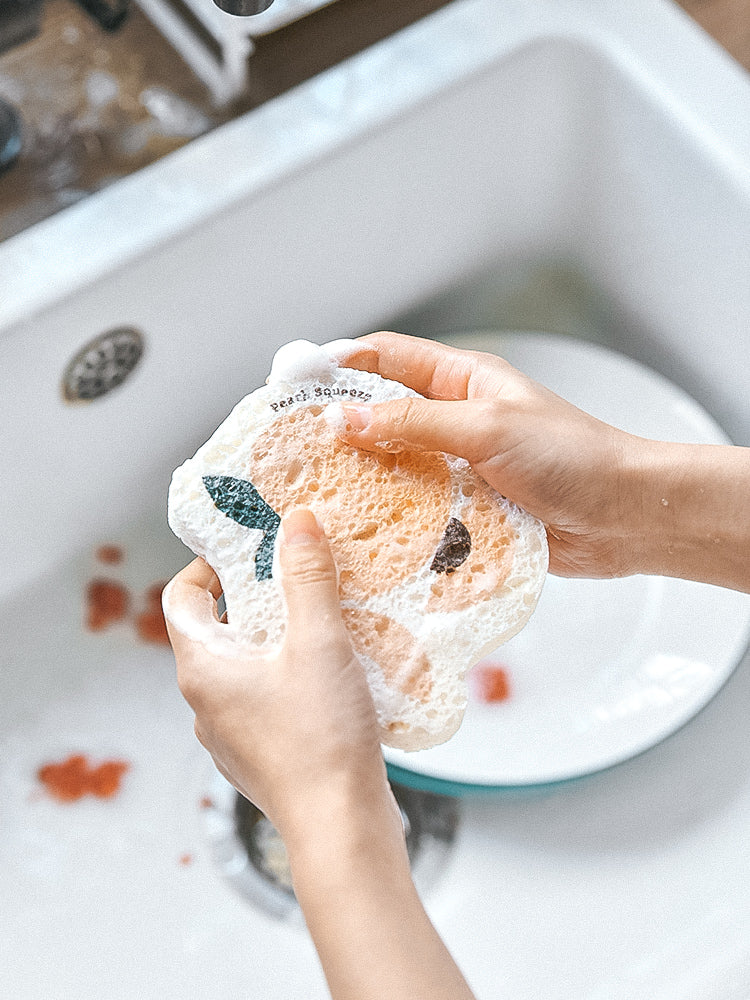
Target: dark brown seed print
[[454, 548]]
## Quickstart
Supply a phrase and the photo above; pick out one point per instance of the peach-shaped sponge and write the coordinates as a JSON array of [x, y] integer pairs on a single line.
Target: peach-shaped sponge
[[435, 568]]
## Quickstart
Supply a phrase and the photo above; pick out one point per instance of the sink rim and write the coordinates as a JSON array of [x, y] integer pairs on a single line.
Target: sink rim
[[60, 255]]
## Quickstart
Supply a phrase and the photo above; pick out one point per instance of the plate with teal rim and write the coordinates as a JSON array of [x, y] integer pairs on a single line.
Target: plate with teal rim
[[605, 669]]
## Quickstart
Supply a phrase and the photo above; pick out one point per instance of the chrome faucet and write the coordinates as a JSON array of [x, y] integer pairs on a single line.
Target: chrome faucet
[[243, 8]]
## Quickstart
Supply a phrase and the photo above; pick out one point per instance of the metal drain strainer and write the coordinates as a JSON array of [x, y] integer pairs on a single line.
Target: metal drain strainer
[[102, 364], [251, 854]]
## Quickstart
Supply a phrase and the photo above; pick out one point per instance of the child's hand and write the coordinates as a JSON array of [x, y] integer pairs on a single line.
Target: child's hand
[[295, 732], [613, 503]]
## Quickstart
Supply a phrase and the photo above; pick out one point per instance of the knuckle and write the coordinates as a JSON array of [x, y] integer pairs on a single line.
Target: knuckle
[[407, 413], [489, 412], [399, 424], [306, 566]]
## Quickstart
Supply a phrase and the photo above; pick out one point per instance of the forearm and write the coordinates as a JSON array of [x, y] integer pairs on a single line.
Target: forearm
[[368, 924], [687, 512]]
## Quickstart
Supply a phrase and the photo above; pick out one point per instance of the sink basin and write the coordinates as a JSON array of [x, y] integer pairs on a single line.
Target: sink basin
[[576, 166]]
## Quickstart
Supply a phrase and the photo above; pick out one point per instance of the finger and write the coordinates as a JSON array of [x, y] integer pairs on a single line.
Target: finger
[[308, 576], [434, 370], [414, 424], [189, 602], [199, 574]]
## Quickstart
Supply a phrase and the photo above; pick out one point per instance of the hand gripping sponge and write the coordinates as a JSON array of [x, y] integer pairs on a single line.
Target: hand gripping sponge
[[435, 568]]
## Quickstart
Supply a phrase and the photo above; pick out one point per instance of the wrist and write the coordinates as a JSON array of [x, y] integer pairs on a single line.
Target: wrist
[[343, 816], [684, 511], [354, 886], [342, 828], [642, 518]]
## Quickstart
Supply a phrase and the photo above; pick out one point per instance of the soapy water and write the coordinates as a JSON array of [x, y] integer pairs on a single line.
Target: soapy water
[[552, 295], [61, 143], [94, 107]]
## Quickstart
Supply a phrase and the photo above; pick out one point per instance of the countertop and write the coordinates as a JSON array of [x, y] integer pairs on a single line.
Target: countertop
[[728, 21]]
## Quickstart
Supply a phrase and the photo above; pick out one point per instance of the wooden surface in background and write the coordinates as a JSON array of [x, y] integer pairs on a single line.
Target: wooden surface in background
[[67, 155], [343, 28], [728, 21]]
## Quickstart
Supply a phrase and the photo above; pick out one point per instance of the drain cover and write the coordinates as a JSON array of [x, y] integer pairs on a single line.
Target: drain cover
[[251, 854], [102, 364], [10, 135]]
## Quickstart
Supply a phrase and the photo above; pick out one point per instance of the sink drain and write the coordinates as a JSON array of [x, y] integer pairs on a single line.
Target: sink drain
[[10, 135], [102, 364], [251, 854]]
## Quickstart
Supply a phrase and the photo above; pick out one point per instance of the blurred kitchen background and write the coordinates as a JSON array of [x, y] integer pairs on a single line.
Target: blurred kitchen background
[[92, 90]]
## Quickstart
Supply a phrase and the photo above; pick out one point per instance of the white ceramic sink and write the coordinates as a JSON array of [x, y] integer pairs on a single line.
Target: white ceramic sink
[[582, 165]]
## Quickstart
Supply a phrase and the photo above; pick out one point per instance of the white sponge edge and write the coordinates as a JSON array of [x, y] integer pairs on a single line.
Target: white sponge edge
[[453, 641]]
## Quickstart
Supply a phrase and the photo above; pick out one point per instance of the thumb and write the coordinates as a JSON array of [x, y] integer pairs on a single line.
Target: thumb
[[308, 575], [189, 605], [466, 427]]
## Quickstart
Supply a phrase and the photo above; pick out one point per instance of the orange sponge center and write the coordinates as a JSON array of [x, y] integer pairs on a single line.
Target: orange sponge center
[[383, 514]]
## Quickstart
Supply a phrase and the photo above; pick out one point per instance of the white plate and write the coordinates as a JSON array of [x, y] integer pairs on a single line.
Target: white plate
[[605, 668]]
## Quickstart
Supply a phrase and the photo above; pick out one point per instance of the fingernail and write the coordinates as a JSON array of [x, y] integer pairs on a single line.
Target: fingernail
[[347, 419], [300, 527]]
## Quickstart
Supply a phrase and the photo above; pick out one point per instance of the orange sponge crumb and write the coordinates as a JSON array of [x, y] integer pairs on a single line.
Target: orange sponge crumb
[[69, 780], [150, 624], [107, 602], [110, 555], [490, 682]]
